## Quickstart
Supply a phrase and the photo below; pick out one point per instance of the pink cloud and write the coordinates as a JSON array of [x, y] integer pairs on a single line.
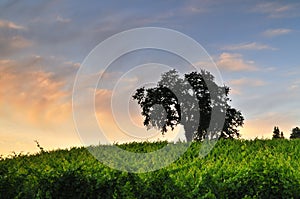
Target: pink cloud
[[235, 62], [10, 25]]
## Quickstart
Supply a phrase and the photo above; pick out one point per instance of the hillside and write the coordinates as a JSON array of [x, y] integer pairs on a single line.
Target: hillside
[[233, 169]]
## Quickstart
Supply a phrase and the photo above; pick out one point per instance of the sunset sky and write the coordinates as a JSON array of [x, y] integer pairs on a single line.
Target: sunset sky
[[254, 44]]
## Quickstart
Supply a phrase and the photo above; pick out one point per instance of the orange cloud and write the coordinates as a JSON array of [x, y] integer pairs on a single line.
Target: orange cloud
[[31, 96], [103, 99]]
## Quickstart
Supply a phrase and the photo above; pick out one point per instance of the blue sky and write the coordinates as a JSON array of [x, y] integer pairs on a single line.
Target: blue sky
[[255, 45]]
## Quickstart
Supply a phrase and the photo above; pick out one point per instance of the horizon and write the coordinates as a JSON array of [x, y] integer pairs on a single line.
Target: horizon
[[42, 46]]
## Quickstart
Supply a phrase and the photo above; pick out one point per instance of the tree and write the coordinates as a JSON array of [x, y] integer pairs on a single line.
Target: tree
[[295, 133], [276, 133], [281, 135], [195, 101]]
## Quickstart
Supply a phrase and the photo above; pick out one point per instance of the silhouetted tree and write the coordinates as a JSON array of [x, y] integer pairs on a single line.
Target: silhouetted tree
[[194, 101], [295, 133], [276, 133], [281, 135]]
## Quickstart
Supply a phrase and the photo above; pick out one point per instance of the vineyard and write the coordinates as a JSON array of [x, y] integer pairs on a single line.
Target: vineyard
[[233, 169]]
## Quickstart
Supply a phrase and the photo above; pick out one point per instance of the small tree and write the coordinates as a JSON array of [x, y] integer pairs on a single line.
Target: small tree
[[276, 133], [281, 135], [295, 133]]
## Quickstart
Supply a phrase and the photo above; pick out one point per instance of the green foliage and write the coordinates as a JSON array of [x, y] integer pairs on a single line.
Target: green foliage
[[233, 169]]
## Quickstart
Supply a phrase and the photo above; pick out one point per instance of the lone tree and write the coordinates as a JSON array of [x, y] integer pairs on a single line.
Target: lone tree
[[295, 133], [195, 101], [277, 134], [281, 135]]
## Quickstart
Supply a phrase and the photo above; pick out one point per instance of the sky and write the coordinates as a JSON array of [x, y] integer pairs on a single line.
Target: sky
[[255, 45]]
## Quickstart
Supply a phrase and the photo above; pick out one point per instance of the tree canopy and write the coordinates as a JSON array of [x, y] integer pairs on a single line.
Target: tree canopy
[[295, 133], [194, 101], [277, 134]]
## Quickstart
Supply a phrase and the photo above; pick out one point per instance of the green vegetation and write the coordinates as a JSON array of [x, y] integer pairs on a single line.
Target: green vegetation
[[295, 133], [233, 169], [277, 134]]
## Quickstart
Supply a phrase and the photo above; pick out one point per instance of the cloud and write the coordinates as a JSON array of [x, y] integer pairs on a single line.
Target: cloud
[[276, 32], [200, 7], [277, 10], [103, 101], [294, 86], [192, 9], [235, 62], [291, 73], [62, 19], [29, 96], [12, 43], [10, 25], [237, 85], [19, 42], [248, 46], [247, 82]]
